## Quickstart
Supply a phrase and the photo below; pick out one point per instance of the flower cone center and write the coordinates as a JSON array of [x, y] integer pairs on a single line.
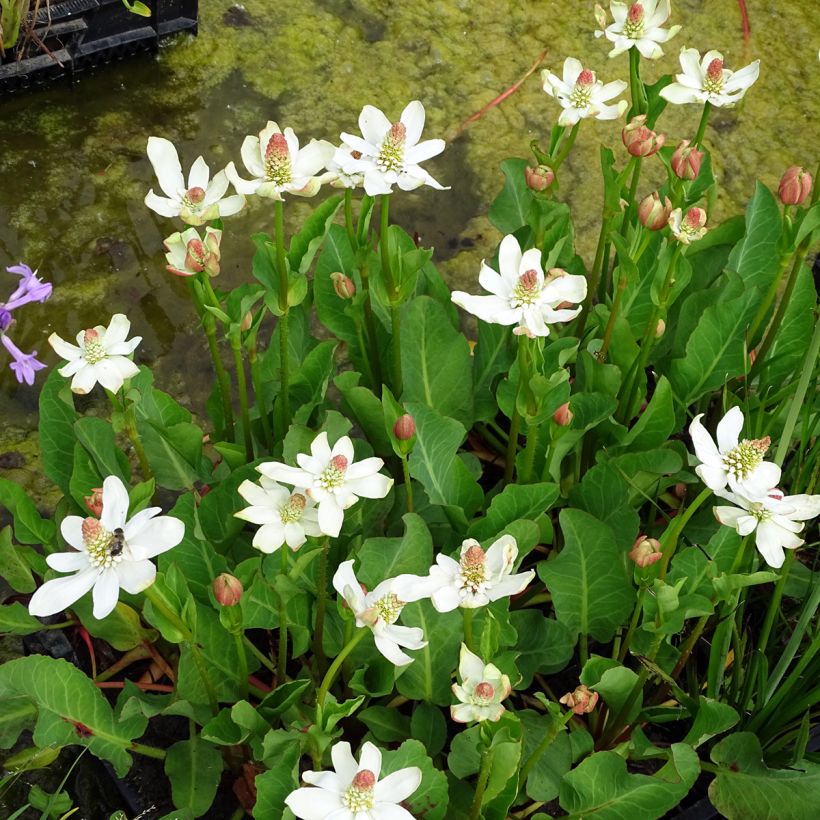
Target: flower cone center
[[473, 572], [93, 349], [745, 458], [391, 154], [277, 160], [333, 476], [389, 607], [634, 25], [292, 511], [525, 291], [581, 94], [99, 543], [359, 795], [714, 77], [484, 693]]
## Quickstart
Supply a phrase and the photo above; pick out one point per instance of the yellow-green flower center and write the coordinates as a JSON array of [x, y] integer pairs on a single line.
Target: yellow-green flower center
[[277, 161], [359, 795], [634, 25], [389, 607], [581, 94], [100, 544], [391, 154], [473, 572], [741, 462], [484, 693], [333, 476], [714, 82], [525, 291], [93, 350], [292, 511]]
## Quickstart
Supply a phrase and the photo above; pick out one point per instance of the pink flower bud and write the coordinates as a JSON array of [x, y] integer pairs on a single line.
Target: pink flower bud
[[680, 490], [645, 551], [563, 416], [405, 427], [540, 178], [343, 285], [639, 140], [581, 700], [653, 213], [227, 589], [247, 321], [94, 502], [686, 161], [660, 328], [795, 186]]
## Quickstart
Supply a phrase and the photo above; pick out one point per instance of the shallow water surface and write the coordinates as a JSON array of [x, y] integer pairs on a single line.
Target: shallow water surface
[[75, 173]]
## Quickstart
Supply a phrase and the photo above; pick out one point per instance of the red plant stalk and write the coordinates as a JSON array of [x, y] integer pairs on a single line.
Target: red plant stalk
[[146, 687], [744, 16], [83, 632]]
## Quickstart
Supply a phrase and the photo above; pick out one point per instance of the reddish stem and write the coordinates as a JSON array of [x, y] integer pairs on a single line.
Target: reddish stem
[[499, 99], [160, 661], [146, 687], [90, 646], [744, 16], [254, 681]]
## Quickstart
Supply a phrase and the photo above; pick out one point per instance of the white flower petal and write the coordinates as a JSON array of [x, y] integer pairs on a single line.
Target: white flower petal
[[680, 95], [60, 593], [770, 544], [84, 380], [413, 120], [71, 528], [114, 504], [199, 174], [68, 561], [728, 429], [470, 666], [373, 124], [314, 804], [331, 517], [135, 576], [398, 786], [157, 536], [106, 593], [162, 205], [164, 158]]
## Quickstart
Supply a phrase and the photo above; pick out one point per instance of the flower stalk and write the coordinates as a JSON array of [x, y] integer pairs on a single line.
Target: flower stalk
[[284, 307], [282, 658], [704, 119], [481, 784], [256, 380], [242, 386], [321, 605], [393, 294], [334, 668]]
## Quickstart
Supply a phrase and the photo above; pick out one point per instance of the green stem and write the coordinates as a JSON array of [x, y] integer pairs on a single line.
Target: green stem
[[372, 352], [408, 487], [321, 605], [689, 645], [146, 751], [260, 656], [515, 421], [481, 784], [634, 81], [284, 307], [633, 624], [613, 315], [767, 301], [592, 285], [242, 385], [133, 433], [282, 658], [566, 146], [331, 673], [467, 617], [392, 291], [351, 231], [256, 380], [529, 454], [243, 665], [707, 107], [549, 737], [669, 540]]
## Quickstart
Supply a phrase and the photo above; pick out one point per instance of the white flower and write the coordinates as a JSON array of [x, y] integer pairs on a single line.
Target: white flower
[[773, 516], [736, 463], [521, 294], [187, 254], [284, 518], [706, 80], [475, 580], [332, 479], [342, 179], [379, 610], [639, 25], [201, 200], [100, 356], [278, 165], [353, 791], [482, 689], [581, 95], [689, 228], [112, 553], [390, 153]]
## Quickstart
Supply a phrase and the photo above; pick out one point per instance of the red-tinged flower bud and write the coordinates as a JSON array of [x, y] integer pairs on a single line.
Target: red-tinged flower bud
[[563, 416], [227, 589], [195, 195], [405, 427], [639, 140], [343, 285], [540, 178], [247, 321], [653, 213], [752, 356], [660, 328], [581, 700], [680, 490], [795, 186], [94, 502], [645, 551], [686, 161]]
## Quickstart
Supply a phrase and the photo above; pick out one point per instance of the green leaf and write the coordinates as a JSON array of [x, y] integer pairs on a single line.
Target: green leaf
[[278, 701], [70, 708], [15, 570], [430, 799], [97, 436], [14, 618], [381, 558], [715, 350], [435, 361], [386, 725], [502, 785], [274, 785], [515, 501], [429, 677], [511, 207], [122, 628], [429, 726], [656, 423], [544, 644], [363, 405], [712, 718], [602, 787], [747, 789], [18, 713], [435, 464], [336, 255], [493, 356], [57, 438], [174, 452], [591, 589], [309, 383], [615, 683], [194, 768], [29, 527], [305, 244]]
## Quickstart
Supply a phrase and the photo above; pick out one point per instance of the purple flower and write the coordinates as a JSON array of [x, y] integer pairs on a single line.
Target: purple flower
[[30, 289], [5, 319], [25, 365]]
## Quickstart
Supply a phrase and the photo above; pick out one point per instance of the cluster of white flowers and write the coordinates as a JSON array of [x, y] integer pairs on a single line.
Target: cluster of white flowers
[[759, 506]]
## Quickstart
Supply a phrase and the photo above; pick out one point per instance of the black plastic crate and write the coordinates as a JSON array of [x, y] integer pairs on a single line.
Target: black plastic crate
[[83, 34]]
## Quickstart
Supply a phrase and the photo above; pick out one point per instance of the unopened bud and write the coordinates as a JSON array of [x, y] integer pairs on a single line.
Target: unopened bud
[[227, 589], [600, 15], [247, 321], [580, 700], [563, 416], [795, 186], [686, 161], [540, 178], [645, 551], [639, 140], [343, 285], [680, 490], [660, 328], [653, 213], [94, 502], [405, 427], [195, 195]]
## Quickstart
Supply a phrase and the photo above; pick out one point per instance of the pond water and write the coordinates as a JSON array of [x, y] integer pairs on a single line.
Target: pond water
[[75, 173]]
